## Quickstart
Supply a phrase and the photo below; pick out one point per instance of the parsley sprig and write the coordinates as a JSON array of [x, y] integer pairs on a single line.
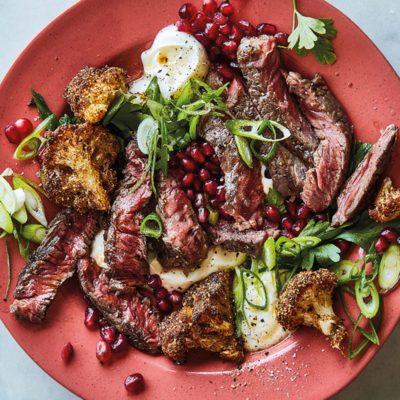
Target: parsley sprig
[[312, 34]]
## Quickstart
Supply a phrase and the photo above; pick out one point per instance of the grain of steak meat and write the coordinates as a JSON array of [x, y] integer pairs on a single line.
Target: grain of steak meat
[[131, 313], [67, 240], [183, 236], [125, 248], [357, 189], [260, 62], [335, 133]]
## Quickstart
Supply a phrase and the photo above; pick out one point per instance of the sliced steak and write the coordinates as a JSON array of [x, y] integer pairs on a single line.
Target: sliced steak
[[183, 236], [359, 186], [244, 191], [132, 314], [249, 241], [125, 248], [67, 240], [260, 62], [335, 133]]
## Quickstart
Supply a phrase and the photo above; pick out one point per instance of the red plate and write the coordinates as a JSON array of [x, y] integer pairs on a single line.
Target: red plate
[[95, 32]]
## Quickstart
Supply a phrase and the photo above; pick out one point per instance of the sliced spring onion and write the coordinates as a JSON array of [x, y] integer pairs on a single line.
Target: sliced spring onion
[[307, 242], [248, 129], [151, 226], [7, 196], [269, 254], [346, 271], [147, 128], [33, 232], [194, 123], [23, 250], [370, 308], [21, 215], [248, 275], [8, 269], [33, 202], [287, 247], [19, 195], [33, 141], [5, 220], [389, 268], [244, 150], [33, 184], [283, 129]]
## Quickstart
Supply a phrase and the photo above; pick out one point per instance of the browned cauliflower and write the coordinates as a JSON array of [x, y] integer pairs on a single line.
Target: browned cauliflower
[[77, 167], [307, 300], [387, 202], [92, 90]]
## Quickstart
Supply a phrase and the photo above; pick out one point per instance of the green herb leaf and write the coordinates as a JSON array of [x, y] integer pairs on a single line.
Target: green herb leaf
[[326, 254], [323, 51], [274, 198], [358, 151]]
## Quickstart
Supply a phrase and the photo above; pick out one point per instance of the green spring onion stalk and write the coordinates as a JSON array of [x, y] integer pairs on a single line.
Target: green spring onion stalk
[[307, 242], [244, 150], [8, 269], [151, 226], [247, 275], [370, 308], [31, 183], [23, 250], [389, 268], [33, 232], [346, 271], [269, 254]]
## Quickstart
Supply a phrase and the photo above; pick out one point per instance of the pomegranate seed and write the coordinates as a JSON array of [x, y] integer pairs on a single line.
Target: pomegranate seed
[[183, 26], [190, 194], [381, 244], [161, 293], [103, 352], [188, 179], [221, 192], [120, 344], [214, 159], [342, 244], [247, 28], [204, 175], [223, 212], [175, 298], [291, 207], [229, 47], [108, 333], [298, 226], [214, 53], [23, 126], [164, 306], [320, 217], [235, 34], [180, 155], [197, 155], [214, 169], [200, 200], [265, 29], [272, 214], [197, 186], [220, 18], [187, 11], [209, 7], [202, 38], [207, 150], [214, 202], [134, 383], [199, 22], [303, 212], [210, 187], [103, 323], [211, 31], [288, 234], [226, 9], [390, 235], [287, 222], [91, 318], [12, 134], [154, 281], [220, 40], [67, 352], [225, 29], [281, 38], [202, 215], [188, 164], [225, 71]]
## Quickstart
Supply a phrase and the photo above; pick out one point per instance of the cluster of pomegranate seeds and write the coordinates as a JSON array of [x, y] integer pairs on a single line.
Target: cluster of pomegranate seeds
[[66, 352], [134, 383], [215, 29], [18, 130], [166, 301], [386, 238], [200, 175]]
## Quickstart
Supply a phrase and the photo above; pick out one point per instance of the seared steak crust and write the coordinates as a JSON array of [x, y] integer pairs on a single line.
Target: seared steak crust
[[335, 133], [67, 240], [183, 236], [205, 321], [125, 248], [356, 190], [132, 313]]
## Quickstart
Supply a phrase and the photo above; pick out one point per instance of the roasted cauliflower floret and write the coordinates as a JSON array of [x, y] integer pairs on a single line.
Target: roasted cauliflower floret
[[387, 202], [205, 321], [92, 90], [307, 300], [77, 167]]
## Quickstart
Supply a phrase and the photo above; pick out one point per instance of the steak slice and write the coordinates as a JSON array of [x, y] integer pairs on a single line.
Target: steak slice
[[244, 191], [359, 186], [132, 314], [125, 247], [205, 321], [260, 62], [67, 240], [335, 133], [249, 241], [183, 236]]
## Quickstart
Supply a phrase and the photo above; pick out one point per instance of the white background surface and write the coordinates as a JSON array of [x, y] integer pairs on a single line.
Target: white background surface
[[20, 21]]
